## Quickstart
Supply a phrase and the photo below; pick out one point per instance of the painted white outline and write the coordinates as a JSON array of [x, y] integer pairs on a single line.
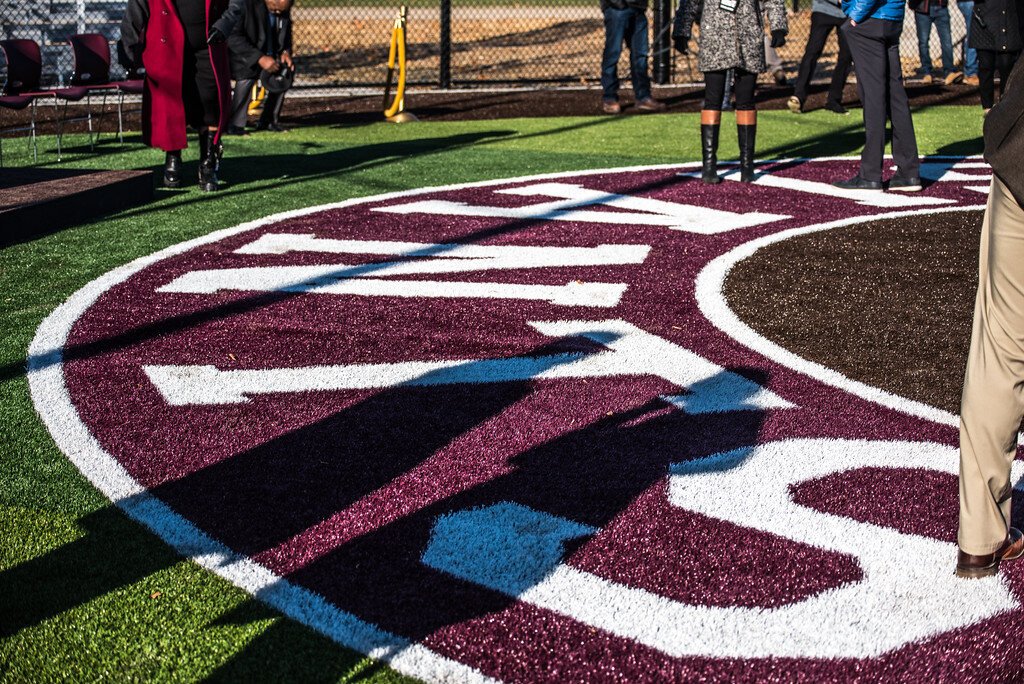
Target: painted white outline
[[52, 401], [710, 294]]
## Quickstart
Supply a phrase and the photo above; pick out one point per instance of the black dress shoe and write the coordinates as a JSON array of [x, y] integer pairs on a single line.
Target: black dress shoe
[[857, 183], [836, 107], [272, 127], [900, 183], [236, 130]]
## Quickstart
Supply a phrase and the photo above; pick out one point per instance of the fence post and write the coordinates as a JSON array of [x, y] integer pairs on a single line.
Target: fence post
[[446, 44], [661, 52]]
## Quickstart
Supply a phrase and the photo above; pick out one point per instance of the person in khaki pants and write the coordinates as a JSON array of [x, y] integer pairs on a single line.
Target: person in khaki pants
[[992, 405]]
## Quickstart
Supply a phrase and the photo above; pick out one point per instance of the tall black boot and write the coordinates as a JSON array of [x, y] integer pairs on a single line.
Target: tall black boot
[[746, 135], [172, 169], [209, 162], [709, 153]]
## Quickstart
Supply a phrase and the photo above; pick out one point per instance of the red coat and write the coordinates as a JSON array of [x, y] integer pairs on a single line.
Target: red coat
[[152, 35]]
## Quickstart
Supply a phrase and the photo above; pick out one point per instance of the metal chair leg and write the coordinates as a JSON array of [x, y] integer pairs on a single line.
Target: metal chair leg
[[32, 135], [59, 123], [99, 119], [120, 122], [88, 114]]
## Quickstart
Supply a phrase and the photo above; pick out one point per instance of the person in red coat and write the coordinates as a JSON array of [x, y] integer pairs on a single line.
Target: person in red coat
[[180, 45]]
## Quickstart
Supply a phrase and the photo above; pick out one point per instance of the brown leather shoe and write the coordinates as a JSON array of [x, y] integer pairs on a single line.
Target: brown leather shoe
[[649, 104], [971, 566], [611, 107]]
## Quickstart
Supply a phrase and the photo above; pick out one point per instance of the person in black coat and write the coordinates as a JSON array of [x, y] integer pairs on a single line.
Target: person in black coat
[[261, 41], [996, 33], [180, 44]]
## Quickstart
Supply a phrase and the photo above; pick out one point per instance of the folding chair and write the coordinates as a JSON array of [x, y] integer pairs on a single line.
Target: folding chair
[[91, 55], [24, 69]]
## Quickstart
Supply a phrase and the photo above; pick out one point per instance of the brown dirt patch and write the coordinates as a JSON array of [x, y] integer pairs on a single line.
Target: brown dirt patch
[[888, 303]]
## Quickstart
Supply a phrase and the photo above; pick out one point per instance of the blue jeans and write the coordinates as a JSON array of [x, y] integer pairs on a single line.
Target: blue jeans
[[970, 54], [940, 17], [620, 25]]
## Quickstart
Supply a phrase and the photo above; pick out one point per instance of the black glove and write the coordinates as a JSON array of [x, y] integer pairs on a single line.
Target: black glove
[[681, 43], [778, 38], [216, 37]]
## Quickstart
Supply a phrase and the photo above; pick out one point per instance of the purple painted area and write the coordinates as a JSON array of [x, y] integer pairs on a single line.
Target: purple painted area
[[339, 490]]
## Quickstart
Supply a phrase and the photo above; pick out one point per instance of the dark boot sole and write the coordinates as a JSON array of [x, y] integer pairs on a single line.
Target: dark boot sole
[[172, 183], [977, 573]]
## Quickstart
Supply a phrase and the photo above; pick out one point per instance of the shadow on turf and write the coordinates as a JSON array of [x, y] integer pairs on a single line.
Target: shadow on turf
[[115, 555], [261, 498], [247, 303]]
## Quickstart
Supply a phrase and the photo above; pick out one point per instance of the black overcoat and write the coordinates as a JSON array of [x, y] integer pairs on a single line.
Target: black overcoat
[[250, 35]]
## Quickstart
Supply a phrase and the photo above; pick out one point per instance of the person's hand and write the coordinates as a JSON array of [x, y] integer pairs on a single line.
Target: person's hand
[[682, 44], [269, 64], [286, 59], [778, 38], [215, 37]]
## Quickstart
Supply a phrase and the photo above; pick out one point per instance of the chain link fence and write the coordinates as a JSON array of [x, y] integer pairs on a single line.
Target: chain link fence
[[451, 43]]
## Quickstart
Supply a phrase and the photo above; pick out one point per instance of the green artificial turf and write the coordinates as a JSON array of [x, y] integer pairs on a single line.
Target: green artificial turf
[[85, 593]]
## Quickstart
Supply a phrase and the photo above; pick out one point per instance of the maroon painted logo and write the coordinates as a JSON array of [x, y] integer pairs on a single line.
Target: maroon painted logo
[[512, 431]]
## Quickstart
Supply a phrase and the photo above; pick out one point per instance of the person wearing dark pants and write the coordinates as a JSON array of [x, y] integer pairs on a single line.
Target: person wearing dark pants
[[261, 41], [996, 34], [825, 16], [181, 46], [966, 8], [928, 13], [731, 38], [626, 20], [873, 34]]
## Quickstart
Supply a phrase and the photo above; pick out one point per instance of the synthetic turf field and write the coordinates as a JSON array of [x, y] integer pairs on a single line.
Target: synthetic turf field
[[93, 595]]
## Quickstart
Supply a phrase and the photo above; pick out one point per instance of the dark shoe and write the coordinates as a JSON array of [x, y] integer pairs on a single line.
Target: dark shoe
[[857, 183], [746, 136], [836, 108], [611, 107], [795, 105], [986, 565], [273, 127], [780, 77], [209, 163], [236, 130], [172, 170], [900, 183], [649, 104], [709, 153]]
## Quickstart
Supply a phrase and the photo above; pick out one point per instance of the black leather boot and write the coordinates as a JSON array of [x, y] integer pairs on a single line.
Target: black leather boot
[[209, 162], [709, 153], [172, 169], [746, 135]]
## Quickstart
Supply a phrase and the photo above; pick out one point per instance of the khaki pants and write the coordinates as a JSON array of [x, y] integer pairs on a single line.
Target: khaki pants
[[993, 400]]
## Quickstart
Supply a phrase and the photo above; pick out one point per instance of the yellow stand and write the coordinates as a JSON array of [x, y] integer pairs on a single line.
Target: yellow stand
[[256, 99], [395, 112]]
